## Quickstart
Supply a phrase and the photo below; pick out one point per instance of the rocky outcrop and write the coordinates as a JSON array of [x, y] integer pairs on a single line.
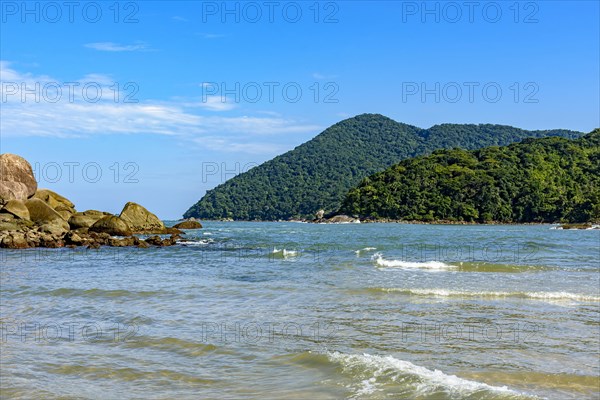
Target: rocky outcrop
[[112, 225], [17, 208], [60, 204], [15, 240], [9, 223], [188, 224], [141, 220], [158, 241], [579, 226], [85, 219], [46, 217], [124, 242], [31, 217], [91, 240], [17, 181], [338, 219]]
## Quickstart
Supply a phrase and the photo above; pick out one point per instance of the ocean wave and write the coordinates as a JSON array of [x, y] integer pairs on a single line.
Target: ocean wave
[[365, 249], [200, 242], [590, 228], [374, 371], [553, 296], [284, 253], [485, 266], [462, 266], [100, 293], [432, 265], [127, 374], [175, 345]]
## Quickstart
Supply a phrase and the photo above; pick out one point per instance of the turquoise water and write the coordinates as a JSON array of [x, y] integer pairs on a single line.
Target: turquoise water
[[298, 311]]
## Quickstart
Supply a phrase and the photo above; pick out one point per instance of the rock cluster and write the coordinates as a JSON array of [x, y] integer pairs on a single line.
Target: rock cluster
[[336, 219], [32, 217]]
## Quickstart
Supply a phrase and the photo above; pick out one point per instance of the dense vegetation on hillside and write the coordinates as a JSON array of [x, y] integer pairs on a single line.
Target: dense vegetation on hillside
[[537, 180], [318, 174]]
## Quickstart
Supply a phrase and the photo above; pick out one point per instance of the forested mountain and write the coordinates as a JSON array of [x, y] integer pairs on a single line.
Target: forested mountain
[[537, 180], [318, 174]]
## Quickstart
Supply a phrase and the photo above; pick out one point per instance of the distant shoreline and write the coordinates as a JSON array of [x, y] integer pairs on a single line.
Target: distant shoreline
[[566, 226]]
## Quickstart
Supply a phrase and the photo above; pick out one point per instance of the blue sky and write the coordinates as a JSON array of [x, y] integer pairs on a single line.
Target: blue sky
[[182, 95]]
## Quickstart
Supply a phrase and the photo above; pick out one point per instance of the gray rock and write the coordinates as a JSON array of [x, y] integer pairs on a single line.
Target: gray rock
[[141, 220], [15, 225], [46, 217], [16, 208], [112, 225], [17, 181], [55, 200], [188, 225], [342, 219], [85, 219], [15, 240]]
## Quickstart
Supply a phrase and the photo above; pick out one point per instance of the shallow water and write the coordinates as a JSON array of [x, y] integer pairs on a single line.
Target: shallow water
[[296, 311]]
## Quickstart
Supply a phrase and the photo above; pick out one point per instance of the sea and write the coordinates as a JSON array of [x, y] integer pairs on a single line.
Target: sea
[[284, 310]]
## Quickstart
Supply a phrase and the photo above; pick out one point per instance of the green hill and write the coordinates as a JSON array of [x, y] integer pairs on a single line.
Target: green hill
[[318, 174], [537, 180]]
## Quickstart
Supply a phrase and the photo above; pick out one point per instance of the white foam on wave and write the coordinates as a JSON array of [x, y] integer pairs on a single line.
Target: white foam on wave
[[591, 227], [432, 265], [562, 296], [552, 296], [365, 249], [201, 242], [284, 252], [425, 381]]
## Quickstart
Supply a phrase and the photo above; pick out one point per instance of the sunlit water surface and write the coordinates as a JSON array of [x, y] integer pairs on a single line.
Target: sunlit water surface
[[303, 311]]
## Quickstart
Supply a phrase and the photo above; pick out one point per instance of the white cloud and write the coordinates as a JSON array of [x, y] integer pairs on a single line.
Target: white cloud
[[101, 79], [241, 146], [116, 47], [76, 117], [257, 125], [213, 103]]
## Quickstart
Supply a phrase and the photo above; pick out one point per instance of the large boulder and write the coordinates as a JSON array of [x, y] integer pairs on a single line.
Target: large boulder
[[40, 212], [112, 225], [342, 219], [46, 217], [60, 204], [16, 208], [17, 181], [85, 219], [188, 224], [141, 220]]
